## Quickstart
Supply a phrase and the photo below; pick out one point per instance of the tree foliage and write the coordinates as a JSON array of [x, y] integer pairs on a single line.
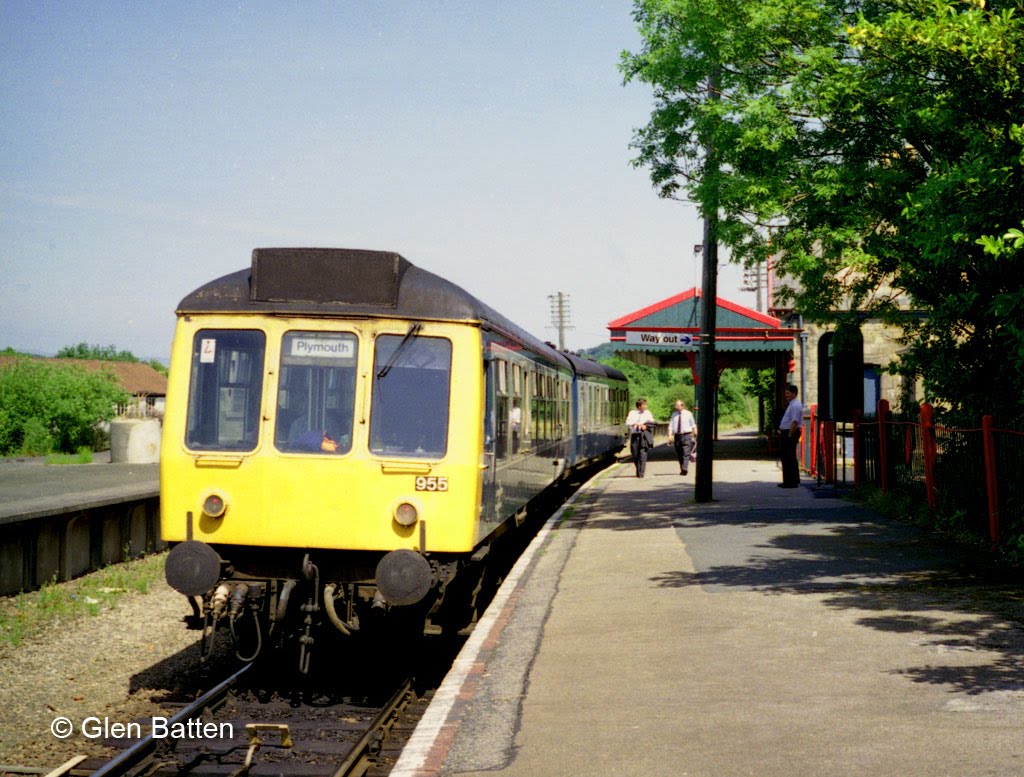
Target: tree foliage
[[108, 353], [46, 405], [662, 386], [876, 146]]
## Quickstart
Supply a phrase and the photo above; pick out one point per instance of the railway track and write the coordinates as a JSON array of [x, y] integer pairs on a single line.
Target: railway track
[[237, 728]]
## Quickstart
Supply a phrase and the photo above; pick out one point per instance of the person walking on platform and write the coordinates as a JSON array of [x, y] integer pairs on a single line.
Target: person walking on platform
[[641, 435], [683, 430], [790, 428]]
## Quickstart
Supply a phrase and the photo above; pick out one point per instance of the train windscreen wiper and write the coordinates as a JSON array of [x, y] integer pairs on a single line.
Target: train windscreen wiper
[[413, 331]]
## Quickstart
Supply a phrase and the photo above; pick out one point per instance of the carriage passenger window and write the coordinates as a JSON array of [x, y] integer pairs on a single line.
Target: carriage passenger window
[[226, 390], [316, 392], [411, 389]]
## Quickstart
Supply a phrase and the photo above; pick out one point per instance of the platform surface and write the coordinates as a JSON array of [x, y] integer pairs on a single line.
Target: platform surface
[[771, 632], [32, 489]]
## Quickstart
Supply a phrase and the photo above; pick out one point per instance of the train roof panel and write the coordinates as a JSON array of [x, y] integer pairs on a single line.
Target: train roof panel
[[327, 281], [584, 366], [347, 282]]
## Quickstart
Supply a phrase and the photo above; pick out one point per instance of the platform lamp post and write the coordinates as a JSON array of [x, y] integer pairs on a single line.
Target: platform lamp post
[[706, 363], [708, 321]]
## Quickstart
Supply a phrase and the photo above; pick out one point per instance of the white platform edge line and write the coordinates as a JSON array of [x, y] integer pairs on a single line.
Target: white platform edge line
[[424, 736]]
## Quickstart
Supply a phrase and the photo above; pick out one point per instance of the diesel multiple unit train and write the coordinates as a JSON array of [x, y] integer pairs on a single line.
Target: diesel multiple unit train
[[347, 435]]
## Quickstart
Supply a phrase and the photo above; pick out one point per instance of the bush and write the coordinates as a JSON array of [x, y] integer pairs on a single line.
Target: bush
[[48, 406], [37, 440]]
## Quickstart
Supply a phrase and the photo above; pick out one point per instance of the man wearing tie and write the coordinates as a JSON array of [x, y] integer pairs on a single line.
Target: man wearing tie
[[683, 429]]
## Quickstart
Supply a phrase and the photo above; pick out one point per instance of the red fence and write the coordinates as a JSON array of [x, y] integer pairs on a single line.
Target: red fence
[[968, 469]]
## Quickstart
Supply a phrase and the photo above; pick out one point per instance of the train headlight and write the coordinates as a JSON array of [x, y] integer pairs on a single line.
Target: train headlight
[[214, 506], [406, 514]]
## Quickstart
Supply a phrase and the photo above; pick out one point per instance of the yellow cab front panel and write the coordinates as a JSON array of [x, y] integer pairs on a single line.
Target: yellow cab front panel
[[326, 433]]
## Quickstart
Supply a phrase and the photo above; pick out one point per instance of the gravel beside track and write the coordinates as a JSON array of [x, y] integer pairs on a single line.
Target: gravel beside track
[[122, 664]]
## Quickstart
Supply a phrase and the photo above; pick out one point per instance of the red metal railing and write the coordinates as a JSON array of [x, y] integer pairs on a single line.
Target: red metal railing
[[968, 469]]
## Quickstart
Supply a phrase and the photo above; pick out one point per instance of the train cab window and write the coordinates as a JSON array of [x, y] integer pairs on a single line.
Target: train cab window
[[226, 390], [316, 392], [411, 390]]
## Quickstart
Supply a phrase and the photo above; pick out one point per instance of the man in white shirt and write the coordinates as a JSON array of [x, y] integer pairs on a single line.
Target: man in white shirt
[[683, 431], [790, 428], [641, 434], [515, 419]]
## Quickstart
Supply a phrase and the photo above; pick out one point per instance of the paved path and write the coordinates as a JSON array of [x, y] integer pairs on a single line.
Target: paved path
[[768, 633]]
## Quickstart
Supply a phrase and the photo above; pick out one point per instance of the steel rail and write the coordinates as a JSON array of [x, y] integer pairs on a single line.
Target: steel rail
[[358, 760], [148, 744]]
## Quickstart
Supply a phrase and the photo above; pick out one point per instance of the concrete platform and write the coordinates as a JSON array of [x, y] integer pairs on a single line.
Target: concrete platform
[[771, 632], [59, 522], [31, 489]]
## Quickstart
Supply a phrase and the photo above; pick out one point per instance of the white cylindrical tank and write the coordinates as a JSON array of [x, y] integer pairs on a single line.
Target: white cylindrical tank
[[134, 441]]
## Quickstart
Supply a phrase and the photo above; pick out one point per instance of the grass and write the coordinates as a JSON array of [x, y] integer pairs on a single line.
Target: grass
[[27, 614], [84, 456]]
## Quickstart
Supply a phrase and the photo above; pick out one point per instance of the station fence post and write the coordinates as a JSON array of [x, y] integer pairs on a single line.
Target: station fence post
[[858, 449], [883, 443], [991, 481], [814, 440], [928, 443], [828, 445]]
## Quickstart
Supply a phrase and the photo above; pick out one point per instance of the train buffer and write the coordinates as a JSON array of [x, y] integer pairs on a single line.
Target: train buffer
[[770, 632]]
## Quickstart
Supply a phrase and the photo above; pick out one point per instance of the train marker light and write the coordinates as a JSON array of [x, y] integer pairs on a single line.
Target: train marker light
[[214, 506], [406, 514]]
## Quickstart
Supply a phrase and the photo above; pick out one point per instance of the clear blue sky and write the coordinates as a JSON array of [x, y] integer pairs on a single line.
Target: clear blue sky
[[146, 148]]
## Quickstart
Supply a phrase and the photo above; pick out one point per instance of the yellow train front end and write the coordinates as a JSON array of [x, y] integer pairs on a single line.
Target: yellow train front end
[[330, 434], [322, 450]]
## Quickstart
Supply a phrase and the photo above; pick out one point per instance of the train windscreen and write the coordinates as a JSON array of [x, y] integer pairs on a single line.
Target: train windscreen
[[226, 390], [316, 392], [411, 389]]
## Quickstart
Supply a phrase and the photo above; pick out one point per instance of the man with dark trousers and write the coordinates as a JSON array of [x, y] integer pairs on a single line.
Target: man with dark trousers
[[682, 430], [790, 428], [639, 422]]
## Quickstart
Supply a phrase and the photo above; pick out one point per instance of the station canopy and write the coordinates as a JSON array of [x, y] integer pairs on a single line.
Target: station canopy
[[667, 334]]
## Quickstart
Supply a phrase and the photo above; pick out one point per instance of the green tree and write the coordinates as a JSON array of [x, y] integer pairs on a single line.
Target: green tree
[[102, 352], [661, 387], [876, 145], [49, 404]]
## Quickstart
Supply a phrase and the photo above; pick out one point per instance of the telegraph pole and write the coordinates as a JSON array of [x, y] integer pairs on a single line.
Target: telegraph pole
[[752, 278], [560, 316], [708, 322]]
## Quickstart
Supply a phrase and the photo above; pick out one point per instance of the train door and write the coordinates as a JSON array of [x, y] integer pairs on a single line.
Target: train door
[[491, 439], [574, 410], [502, 410]]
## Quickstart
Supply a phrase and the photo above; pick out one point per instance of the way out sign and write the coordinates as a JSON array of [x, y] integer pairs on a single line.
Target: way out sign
[[659, 338]]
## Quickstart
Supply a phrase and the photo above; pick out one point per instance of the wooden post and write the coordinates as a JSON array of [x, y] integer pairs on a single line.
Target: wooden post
[[991, 482], [928, 442], [883, 442], [858, 449]]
